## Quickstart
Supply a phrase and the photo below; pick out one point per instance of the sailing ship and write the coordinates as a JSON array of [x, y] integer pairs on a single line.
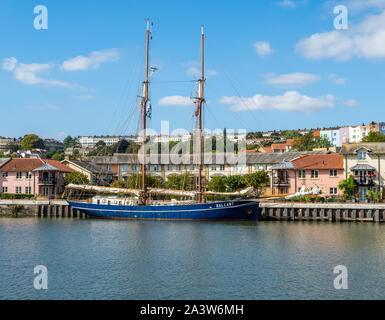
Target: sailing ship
[[139, 204]]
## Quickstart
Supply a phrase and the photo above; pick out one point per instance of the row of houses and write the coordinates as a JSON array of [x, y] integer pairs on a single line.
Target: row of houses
[[352, 134], [289, 171]]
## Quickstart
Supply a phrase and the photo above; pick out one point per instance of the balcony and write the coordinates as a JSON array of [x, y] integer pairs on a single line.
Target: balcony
[[47, 181], [281, 182], [364, 181]]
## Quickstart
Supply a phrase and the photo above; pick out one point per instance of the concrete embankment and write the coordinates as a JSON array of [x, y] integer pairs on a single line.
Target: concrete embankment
[[38, 208], [369, 212]]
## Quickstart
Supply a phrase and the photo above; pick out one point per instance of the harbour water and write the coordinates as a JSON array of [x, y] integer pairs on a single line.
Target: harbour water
[[102, 259]]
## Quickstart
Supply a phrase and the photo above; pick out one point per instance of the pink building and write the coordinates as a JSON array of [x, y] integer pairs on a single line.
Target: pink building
[[33, 176], [324, 171]]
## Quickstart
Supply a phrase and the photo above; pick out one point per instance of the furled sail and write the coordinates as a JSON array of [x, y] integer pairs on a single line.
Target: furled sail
[[100, 189], [244, 192]]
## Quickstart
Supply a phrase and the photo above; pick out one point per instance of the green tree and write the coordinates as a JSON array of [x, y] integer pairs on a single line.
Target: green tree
[[308, 142], [349, 186], [291, 134], [32, 141], [217, 184], [257, 180], [185, 181], [76, 178], [374, 136], [134, 181], [235, 183]]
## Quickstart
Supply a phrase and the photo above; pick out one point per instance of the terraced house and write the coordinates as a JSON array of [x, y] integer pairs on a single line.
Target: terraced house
[[324, 171], [123, 165], [366, 163], [33, 176]]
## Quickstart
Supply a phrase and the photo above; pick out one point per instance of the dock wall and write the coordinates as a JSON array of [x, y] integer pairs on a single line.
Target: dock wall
[[336, 212]]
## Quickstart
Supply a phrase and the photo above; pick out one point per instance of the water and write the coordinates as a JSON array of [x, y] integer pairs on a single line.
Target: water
[[102, 259]]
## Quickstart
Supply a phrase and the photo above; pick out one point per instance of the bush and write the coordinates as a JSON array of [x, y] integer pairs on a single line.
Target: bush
[[11, 196]]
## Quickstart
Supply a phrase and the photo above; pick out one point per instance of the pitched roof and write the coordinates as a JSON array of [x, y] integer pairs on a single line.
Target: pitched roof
[[375, 147], [88, 166], [3, 161], [28, 164], [46, 167], [319, 161]]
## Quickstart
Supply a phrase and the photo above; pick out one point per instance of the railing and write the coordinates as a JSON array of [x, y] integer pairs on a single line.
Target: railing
[[47, 180], [364, 181], [280, 181]]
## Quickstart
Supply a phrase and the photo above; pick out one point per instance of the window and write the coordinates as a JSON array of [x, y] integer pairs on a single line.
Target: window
[[124, 167], [264, 167], [301, 174], [256, 167], [333, 190], [362, 155], [19, 175], [5, 174], [148, 168], [314, 174], [134, 167], [108, 166], [156, 167], [28, 190], [170, 167], [222, 167], [5, 189], [179, 167], [333, 173], [28, 175], [214, 167], [18, 189], [192, 167]]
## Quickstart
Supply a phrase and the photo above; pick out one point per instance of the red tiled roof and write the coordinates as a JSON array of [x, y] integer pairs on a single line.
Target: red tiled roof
[[266, 149], [319, 161], [27, 165]]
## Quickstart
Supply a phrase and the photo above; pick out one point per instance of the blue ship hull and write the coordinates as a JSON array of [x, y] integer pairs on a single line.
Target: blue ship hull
[[223, 210]]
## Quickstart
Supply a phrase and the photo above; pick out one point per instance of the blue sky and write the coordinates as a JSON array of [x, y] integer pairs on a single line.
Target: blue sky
[[276, 64]]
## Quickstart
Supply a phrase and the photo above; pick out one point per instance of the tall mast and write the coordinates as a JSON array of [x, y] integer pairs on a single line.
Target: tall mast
[[200, 105], [144, 115]]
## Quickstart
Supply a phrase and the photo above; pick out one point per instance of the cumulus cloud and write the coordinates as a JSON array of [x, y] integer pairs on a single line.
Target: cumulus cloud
[[365, 40], [27, 73], [291, 3], [290, 101], [193, 70], [336, 79], [351, 103], [297, 79], [262, 48], [176, 101], [93, 61]]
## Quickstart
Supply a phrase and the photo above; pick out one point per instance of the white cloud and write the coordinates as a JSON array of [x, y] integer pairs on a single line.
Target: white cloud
[[291, 3], [290, 101], [26, 73], [351, 103], [359, 5], [297, 79], [365, 40], [93, 61], [176, 101], [195, 71], [85, 97], [336, 79], [262, 48]]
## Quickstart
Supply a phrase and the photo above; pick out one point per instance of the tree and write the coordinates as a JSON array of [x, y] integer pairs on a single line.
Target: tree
[[235, 183], [308, 142], [32, 141], [184, 181], [134, 181], [257, 180], [374, 136], [76, 178], [349, 187], [217, 184], [291, 134], [70, 142]]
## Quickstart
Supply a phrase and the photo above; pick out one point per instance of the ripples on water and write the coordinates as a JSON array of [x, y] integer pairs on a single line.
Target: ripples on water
[[101, 259]]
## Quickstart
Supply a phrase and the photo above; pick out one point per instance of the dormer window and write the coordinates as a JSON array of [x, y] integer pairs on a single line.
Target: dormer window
[[362, 155]]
